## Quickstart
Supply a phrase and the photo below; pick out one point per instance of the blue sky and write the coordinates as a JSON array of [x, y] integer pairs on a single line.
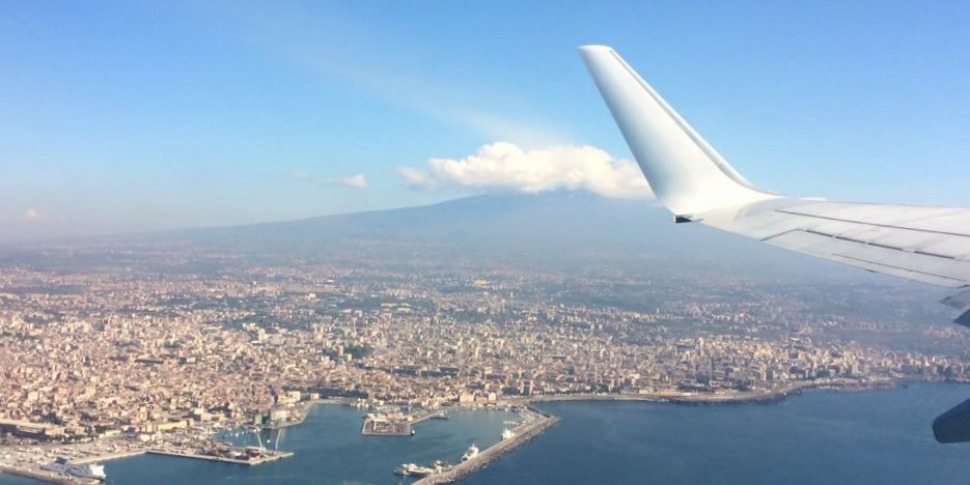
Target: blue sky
[[131, 116]]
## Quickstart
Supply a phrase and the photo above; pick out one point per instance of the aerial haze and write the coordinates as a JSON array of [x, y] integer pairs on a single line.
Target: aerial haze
[[164, 115], [341, 242]]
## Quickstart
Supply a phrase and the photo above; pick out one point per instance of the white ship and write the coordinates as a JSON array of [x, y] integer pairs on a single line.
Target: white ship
[[471, 453], [90, 470], [405, 469], [409, 469], [507, 434]]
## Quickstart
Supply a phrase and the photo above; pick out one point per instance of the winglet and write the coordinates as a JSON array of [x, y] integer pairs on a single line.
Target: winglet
[[686, 174]]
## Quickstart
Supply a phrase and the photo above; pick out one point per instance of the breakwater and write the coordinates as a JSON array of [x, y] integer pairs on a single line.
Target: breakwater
[[45, 476], [523, 433], [277, 455], [108, 457]]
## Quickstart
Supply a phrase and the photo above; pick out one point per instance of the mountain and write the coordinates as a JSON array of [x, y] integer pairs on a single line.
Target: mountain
[[558, 228]]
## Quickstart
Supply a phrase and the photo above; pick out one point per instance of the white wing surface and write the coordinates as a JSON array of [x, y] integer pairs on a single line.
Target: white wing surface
[[927, 244]]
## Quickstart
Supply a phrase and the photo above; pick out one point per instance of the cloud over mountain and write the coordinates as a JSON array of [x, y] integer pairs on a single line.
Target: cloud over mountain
[[504, 166]]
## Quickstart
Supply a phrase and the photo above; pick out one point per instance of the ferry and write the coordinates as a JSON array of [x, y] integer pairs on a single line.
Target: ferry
[[404, 470], [471, 453], [63, 466], [409, 469]]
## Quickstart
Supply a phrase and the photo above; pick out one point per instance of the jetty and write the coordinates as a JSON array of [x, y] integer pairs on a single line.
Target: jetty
[[398, 424], [530, 428], [48, 477], [264, 457], [380, 426], [112, 456]]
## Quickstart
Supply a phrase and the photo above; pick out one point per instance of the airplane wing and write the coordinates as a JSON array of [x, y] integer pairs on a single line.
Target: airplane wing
[[922, 243]]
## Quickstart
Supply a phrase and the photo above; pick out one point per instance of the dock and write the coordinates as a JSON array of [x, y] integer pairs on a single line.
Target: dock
[[386, 427], [523, 433], [113, 456], [48, 477], [402, 425], [302, 410], [266, 458]]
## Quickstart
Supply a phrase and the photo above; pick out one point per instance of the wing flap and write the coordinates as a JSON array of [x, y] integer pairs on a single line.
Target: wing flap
[[881, 260], [926, 256], [943, 220]]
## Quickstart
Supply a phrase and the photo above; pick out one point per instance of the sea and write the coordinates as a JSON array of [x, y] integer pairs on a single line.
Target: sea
[[818, 437]]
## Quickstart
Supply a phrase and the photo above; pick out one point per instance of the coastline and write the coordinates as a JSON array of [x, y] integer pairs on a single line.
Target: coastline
[[751, 397], [542, 421], [304, 409]]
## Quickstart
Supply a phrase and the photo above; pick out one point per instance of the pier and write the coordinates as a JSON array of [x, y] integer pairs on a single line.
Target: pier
[[386, 427], [523, 433], [258, 460], [398, 425], [47, 476], [113, 456]]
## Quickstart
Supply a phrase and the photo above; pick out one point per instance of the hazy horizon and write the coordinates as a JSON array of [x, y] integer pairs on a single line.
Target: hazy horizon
[[162, 115]]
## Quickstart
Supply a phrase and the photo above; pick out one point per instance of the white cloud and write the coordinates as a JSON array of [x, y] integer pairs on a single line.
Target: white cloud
[[505, 166], [357, 181]]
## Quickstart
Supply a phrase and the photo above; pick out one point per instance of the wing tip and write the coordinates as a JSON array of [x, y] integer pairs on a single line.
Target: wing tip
[[594, 48]]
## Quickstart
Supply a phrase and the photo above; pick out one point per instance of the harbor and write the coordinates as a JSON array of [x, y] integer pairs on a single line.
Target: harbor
[[245, 446], [521, 422], [534, 422], [83, 463]]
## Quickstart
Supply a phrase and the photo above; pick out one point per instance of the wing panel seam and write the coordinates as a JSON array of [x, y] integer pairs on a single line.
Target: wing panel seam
[[910, 270], [873, 224]]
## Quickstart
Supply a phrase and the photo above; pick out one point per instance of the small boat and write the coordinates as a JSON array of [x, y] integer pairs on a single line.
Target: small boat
[[471, 453], [409, 469], [404, 470]]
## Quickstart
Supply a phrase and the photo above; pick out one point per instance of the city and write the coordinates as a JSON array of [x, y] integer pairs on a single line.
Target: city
[[191, 337]]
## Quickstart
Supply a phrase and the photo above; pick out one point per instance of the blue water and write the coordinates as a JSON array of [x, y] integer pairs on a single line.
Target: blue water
[[874, 437], [878, 437], [11, 480], [329, 450]]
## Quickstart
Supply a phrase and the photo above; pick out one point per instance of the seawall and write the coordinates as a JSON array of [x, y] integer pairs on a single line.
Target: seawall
[[523, 434]]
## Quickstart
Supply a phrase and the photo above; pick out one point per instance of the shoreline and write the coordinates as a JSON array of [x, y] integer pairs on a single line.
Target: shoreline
[[304, 407], [701, 399], [527, 431]]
